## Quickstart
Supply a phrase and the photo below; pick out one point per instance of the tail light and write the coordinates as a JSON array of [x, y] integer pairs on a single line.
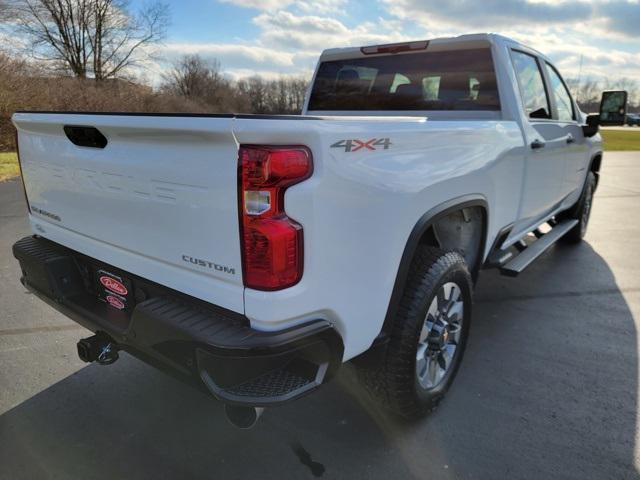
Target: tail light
[[24, 187], [272, 243]]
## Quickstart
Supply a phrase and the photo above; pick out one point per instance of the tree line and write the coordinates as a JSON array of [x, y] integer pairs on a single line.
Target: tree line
[[88, 55], [587, 91], [193, 85], [203, 82]]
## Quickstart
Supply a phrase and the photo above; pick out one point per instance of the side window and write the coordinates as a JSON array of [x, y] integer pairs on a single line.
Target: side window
[[561, 95], [398, 79], [534, 95], [356, 79], [431, 87], [474, 88]]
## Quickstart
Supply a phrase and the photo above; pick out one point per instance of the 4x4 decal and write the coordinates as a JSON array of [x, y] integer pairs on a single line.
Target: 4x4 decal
[[353, 145]]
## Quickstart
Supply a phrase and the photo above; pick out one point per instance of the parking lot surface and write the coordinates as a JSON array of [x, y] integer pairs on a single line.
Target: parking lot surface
[[548, 387]]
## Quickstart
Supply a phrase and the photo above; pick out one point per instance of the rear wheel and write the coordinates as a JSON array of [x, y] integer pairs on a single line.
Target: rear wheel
[[428, 337], [581, 211]]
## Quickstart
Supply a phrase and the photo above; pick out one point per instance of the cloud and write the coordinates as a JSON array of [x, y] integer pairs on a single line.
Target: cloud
[[491, 13], [335, 7], [304, 6], [608, 17], [593, 38], [260, 4], [240, 73], [231, 54], [596, 38], [621, 17], [314, 33], [284, 20]]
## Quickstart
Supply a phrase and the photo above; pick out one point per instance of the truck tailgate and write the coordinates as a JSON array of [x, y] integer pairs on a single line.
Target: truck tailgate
[[159, 200]]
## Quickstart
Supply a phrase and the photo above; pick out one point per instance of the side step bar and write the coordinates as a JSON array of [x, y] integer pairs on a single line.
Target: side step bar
[[537, 248]]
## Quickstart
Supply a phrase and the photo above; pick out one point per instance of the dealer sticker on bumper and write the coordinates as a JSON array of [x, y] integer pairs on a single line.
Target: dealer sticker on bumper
[[114, 289]]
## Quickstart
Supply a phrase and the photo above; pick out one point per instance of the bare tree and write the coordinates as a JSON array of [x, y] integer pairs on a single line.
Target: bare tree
[[297, 89], [631, 85], [8, 10], [588, 91], [192, 76], [202, 82], [284, 95], [99, 38], [255, 89], [4, 10]]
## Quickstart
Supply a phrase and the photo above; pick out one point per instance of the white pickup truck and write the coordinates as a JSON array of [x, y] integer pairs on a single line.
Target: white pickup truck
[[252, 255]]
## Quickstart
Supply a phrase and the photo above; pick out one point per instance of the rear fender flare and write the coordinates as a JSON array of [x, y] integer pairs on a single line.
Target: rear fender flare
[[420, 228]]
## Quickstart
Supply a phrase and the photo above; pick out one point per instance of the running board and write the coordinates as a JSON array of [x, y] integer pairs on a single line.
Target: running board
[[516, 265]]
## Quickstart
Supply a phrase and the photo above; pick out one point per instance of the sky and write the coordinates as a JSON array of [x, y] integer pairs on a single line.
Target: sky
[[285, 37]]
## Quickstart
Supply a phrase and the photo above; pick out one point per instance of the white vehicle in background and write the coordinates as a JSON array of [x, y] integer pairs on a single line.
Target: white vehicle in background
[[253, 255]]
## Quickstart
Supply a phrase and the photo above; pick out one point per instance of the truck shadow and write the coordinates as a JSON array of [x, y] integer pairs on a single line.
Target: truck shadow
[[548, 389]]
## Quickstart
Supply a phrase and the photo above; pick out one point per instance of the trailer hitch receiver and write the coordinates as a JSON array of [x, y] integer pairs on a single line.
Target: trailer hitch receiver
[[98, 348]]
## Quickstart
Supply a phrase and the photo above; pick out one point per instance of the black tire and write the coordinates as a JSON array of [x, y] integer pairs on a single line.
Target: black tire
[[581, 211], [395, 383]]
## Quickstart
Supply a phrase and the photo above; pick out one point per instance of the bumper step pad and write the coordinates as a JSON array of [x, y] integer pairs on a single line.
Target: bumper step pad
[[272, 384], [239, 365]]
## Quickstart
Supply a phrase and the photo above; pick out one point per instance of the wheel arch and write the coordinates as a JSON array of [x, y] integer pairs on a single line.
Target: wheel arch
[[423, 232], [595, 164]]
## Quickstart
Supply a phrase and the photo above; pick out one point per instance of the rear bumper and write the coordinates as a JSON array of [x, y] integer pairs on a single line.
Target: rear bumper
[[209, 347]]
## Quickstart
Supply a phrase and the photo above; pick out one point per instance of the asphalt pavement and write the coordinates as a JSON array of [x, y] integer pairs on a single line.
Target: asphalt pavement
[[548, 387]]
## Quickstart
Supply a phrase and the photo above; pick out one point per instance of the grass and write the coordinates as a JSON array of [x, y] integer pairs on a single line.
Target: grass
[[614, 140], [620, 140], [8, 166]]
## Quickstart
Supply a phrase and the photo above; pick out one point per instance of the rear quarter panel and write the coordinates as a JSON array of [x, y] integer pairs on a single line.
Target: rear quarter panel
[[359, 208]]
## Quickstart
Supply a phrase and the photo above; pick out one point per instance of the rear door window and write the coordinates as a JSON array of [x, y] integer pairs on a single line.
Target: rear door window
[[446, 80], [531, 83]]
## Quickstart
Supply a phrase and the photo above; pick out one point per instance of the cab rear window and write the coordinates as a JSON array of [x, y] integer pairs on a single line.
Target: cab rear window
[[448, 80]]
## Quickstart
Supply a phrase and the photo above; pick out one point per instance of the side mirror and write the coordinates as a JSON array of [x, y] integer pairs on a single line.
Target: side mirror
[[592, 126], [613, 107]]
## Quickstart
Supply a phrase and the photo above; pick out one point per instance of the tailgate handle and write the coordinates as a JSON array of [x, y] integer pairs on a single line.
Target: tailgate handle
[[84, 136]]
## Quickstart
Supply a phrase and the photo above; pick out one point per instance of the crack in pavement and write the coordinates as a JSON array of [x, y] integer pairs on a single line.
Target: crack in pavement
[[43, 328]]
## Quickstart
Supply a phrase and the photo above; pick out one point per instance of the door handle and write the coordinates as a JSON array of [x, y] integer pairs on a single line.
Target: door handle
[[570, 139], [536, 144]]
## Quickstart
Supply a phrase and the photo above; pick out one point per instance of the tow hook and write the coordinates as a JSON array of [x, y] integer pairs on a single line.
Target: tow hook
[[98, 348]]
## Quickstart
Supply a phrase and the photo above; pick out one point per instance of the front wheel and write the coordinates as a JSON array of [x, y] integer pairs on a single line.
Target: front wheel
[[428, 337]]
